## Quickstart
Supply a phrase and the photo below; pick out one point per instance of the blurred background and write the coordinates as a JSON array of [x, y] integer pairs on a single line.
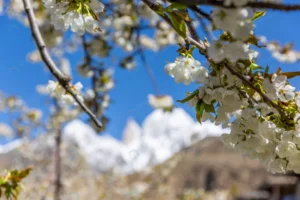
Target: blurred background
[[142, 154]]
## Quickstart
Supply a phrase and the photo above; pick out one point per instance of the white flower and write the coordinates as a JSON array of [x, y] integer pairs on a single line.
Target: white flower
[[234, 21], [266, 109], [267, 129], [286, 93], [62, 18], [120, 22], [5, 130], [278, 166], [90, 94], [216, 52], [193, 101], [237, 3], [234, 51], [279, 88], [57, 91], [158, 102], [286, 149], [35, 115], [294, 167], [187, 70], [238, 50], [297, 100]]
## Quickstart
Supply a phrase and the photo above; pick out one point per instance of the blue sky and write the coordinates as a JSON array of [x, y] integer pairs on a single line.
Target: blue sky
[[19, 77]]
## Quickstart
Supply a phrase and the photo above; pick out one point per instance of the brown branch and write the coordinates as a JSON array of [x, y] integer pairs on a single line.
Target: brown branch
[[199, 12], [260, 5], [193, 30], [155, 7], [57, 165], [61, 78]]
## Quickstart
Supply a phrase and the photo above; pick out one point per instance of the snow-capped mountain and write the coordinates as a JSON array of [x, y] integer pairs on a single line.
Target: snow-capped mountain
[[161, 135], [12, 145]]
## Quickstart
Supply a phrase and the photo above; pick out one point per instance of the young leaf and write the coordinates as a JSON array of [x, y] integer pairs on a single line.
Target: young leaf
[[253, 40], [254, 66], [190, 97], [178, 24], [266, 71], [210, 107], [258, 15], [200, 107]]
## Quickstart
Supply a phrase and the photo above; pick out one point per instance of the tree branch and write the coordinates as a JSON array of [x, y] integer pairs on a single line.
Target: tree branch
[[261, 5], [57, 164], [61, 78], [153, 6], [193, 30]]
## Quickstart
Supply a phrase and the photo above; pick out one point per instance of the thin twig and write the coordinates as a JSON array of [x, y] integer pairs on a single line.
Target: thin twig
[[141, 52], [207, 31], [155, 7], [149, 70], [200, 12], [192, 30], [62, 79]]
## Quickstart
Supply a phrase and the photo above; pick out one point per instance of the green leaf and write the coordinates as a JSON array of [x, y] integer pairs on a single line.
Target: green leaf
[[266, 71], [254, 66], [210, 107], [178, 24], [190, 97], [200, 107], [258, 15], [253, 40]]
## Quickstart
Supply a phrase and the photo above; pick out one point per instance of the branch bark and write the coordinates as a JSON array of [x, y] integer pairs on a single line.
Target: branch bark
[[57, 165], [61, 78], [261, 5]]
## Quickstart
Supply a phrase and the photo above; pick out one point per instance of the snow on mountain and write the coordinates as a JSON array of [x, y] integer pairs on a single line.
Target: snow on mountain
[[103, 153], [161, 136], [12, 145], [132, 132]]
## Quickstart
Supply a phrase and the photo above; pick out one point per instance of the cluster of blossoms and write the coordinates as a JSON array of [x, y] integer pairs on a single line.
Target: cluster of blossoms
[[257, 129], [263, 115], [238, 26], [187, 70], [78, 16], [161, 102], [57, 91]]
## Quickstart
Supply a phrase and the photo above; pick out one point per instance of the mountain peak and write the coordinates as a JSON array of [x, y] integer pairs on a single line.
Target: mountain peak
[[132, 132]]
